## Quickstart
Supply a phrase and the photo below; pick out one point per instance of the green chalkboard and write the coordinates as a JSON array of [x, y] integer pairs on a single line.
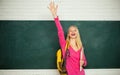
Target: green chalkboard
[[33, 44]]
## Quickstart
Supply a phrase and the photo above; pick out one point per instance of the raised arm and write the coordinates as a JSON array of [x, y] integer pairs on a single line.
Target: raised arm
[[53, 9]]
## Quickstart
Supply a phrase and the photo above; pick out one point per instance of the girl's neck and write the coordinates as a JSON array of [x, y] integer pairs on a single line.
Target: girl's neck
[[72, 42]]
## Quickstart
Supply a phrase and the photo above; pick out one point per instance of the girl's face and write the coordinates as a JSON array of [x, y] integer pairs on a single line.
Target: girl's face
[[72, 32]]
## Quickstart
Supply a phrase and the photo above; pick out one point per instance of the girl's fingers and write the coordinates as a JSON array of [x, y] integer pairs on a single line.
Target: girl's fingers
[[56, 7], [52, 3], [52, 6]]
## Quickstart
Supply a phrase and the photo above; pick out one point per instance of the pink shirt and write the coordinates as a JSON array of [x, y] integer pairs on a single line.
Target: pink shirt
[[73, 62]]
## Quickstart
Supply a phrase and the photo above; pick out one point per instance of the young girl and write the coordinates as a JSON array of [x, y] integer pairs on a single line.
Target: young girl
[[75, 61]]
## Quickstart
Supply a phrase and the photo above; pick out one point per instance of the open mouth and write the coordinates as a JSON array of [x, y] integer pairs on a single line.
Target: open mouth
[[73, 34]]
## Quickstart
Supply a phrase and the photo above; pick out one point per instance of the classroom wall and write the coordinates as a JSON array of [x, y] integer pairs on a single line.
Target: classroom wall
[[70, 10], [55, 72]]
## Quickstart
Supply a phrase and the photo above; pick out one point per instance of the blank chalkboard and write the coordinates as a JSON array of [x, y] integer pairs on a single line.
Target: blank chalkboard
[[33, 44]]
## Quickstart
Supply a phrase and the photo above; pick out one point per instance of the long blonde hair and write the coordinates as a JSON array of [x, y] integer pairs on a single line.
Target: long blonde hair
[[78, 39]]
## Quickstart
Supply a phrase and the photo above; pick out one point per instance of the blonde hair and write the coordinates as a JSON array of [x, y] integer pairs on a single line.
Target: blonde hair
[[78, 39]]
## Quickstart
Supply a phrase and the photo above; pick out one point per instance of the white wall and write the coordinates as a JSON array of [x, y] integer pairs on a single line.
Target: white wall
[[55, 72], [68, 10]]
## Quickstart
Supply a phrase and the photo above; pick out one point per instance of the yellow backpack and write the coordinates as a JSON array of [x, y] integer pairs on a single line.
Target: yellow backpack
[[60, 62]]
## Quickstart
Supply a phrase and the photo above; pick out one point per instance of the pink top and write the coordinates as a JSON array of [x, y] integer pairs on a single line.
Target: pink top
[[73, 62]]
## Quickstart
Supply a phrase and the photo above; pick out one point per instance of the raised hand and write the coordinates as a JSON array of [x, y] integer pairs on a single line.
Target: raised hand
[[53, 8]]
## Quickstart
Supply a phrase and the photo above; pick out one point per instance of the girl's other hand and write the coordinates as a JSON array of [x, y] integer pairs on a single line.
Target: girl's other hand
[[81, 63]]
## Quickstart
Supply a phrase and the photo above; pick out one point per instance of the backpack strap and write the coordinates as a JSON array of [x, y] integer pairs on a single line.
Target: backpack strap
[[67, 53]]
